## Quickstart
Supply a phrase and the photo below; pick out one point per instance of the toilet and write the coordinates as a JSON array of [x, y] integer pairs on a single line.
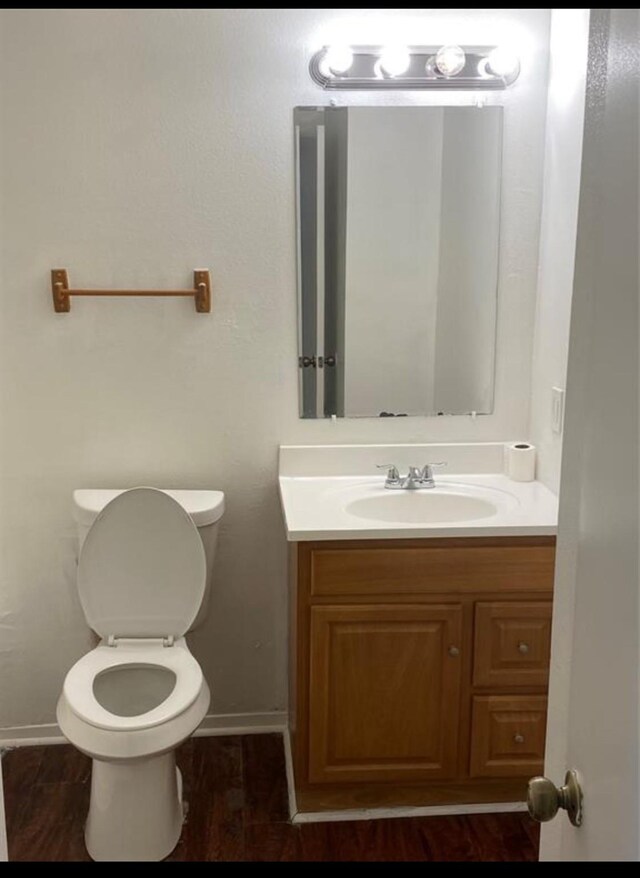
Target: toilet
[[144, 576]]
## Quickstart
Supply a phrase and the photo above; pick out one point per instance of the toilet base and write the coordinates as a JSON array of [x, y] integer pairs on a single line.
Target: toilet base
[[136, 809]]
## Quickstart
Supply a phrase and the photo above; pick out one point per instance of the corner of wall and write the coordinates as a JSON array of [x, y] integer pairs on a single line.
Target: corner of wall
[[558, 228]]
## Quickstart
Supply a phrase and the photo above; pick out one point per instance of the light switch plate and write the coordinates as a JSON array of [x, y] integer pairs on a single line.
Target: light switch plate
[[557, 409]]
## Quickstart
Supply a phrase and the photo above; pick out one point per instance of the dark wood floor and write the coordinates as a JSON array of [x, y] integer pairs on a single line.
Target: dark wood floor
[[237, 810]]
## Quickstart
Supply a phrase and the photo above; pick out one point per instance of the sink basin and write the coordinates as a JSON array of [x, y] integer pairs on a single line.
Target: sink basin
[[429, 506]]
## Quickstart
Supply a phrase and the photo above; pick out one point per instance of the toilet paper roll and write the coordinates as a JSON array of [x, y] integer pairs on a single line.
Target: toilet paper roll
[[520, 461]]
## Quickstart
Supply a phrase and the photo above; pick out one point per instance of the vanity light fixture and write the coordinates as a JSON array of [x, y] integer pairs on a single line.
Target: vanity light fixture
[[450, 60], [338, 59], [503, 62], [414, 67], [395, 60]]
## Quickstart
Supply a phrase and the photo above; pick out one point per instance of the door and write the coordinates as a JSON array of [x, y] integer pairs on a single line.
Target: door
[[385, 692], [593, 698]]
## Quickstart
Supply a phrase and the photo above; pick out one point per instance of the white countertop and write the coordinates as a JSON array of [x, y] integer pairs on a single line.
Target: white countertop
[[314, 508]]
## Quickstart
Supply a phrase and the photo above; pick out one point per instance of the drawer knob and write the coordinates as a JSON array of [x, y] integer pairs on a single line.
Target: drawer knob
[[519, 739], [523, 647], [454, 651]]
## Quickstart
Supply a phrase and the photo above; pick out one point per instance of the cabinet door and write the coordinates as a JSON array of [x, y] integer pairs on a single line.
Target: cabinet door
[[384, 692]]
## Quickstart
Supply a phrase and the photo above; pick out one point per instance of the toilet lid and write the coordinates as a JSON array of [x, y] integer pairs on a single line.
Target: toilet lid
[[142, 567]]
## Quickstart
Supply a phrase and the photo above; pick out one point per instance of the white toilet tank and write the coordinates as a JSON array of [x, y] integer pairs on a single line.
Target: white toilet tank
[[205, 509]]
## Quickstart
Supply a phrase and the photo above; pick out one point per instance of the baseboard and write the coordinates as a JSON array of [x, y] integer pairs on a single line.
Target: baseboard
[[213, 724], [288, 764], [242, 724], [31, 736], [382, 813], [400, 811]]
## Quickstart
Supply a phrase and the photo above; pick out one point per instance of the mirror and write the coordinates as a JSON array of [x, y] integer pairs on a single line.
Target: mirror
[[397, 240]]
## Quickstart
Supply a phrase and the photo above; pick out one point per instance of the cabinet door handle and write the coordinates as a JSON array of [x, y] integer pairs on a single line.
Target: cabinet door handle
[[519, 739], [454, 651], [523, 647]]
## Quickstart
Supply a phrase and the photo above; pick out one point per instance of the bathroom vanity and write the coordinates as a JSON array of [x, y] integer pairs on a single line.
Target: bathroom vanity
[[419, 654], [419, 669]]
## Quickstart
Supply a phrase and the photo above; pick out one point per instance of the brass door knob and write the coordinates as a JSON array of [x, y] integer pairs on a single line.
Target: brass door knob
[[544, 798]]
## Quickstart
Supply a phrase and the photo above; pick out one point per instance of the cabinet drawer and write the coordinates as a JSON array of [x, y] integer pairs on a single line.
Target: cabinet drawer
[[507, 735], [412, 569], [512, 643]]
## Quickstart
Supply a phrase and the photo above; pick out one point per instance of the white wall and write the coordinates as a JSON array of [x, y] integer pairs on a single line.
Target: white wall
[[137, 145], [563, 154], [394, 174]]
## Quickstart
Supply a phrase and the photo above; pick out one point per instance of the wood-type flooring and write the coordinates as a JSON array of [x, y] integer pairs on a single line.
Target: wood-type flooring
[[236, 792]]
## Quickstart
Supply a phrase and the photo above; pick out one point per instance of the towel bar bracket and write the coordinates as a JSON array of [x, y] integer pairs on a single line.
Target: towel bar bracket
[[60, 290], [202, 285]]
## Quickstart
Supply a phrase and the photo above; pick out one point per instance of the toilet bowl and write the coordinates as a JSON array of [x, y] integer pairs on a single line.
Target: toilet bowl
[[128, 703]]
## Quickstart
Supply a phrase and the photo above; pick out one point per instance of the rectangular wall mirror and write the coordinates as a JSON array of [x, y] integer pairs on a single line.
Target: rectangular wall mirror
[[397, 236]]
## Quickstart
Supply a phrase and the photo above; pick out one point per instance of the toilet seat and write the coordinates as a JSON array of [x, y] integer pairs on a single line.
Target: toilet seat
[[141, 579], [142, 568], [79, 692]]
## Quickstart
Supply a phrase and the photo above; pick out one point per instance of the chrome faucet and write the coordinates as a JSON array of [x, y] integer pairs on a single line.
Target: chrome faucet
[[415, 478]]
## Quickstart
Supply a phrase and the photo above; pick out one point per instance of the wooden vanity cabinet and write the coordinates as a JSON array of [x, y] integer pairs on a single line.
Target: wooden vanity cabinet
[[419, 669]]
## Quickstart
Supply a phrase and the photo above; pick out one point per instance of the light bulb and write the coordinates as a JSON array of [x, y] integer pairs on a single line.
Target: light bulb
[[450, 60], [503, 62], [338, 59], [395, 60]]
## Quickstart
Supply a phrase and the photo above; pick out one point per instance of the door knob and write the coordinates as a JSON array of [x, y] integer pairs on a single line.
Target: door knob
[[544, 798]]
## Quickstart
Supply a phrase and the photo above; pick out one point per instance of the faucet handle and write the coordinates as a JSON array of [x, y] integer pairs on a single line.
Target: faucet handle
[[392, 471], [427, 469]]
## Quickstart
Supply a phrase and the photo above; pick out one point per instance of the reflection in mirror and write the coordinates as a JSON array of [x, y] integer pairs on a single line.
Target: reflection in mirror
[[398, 232]]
